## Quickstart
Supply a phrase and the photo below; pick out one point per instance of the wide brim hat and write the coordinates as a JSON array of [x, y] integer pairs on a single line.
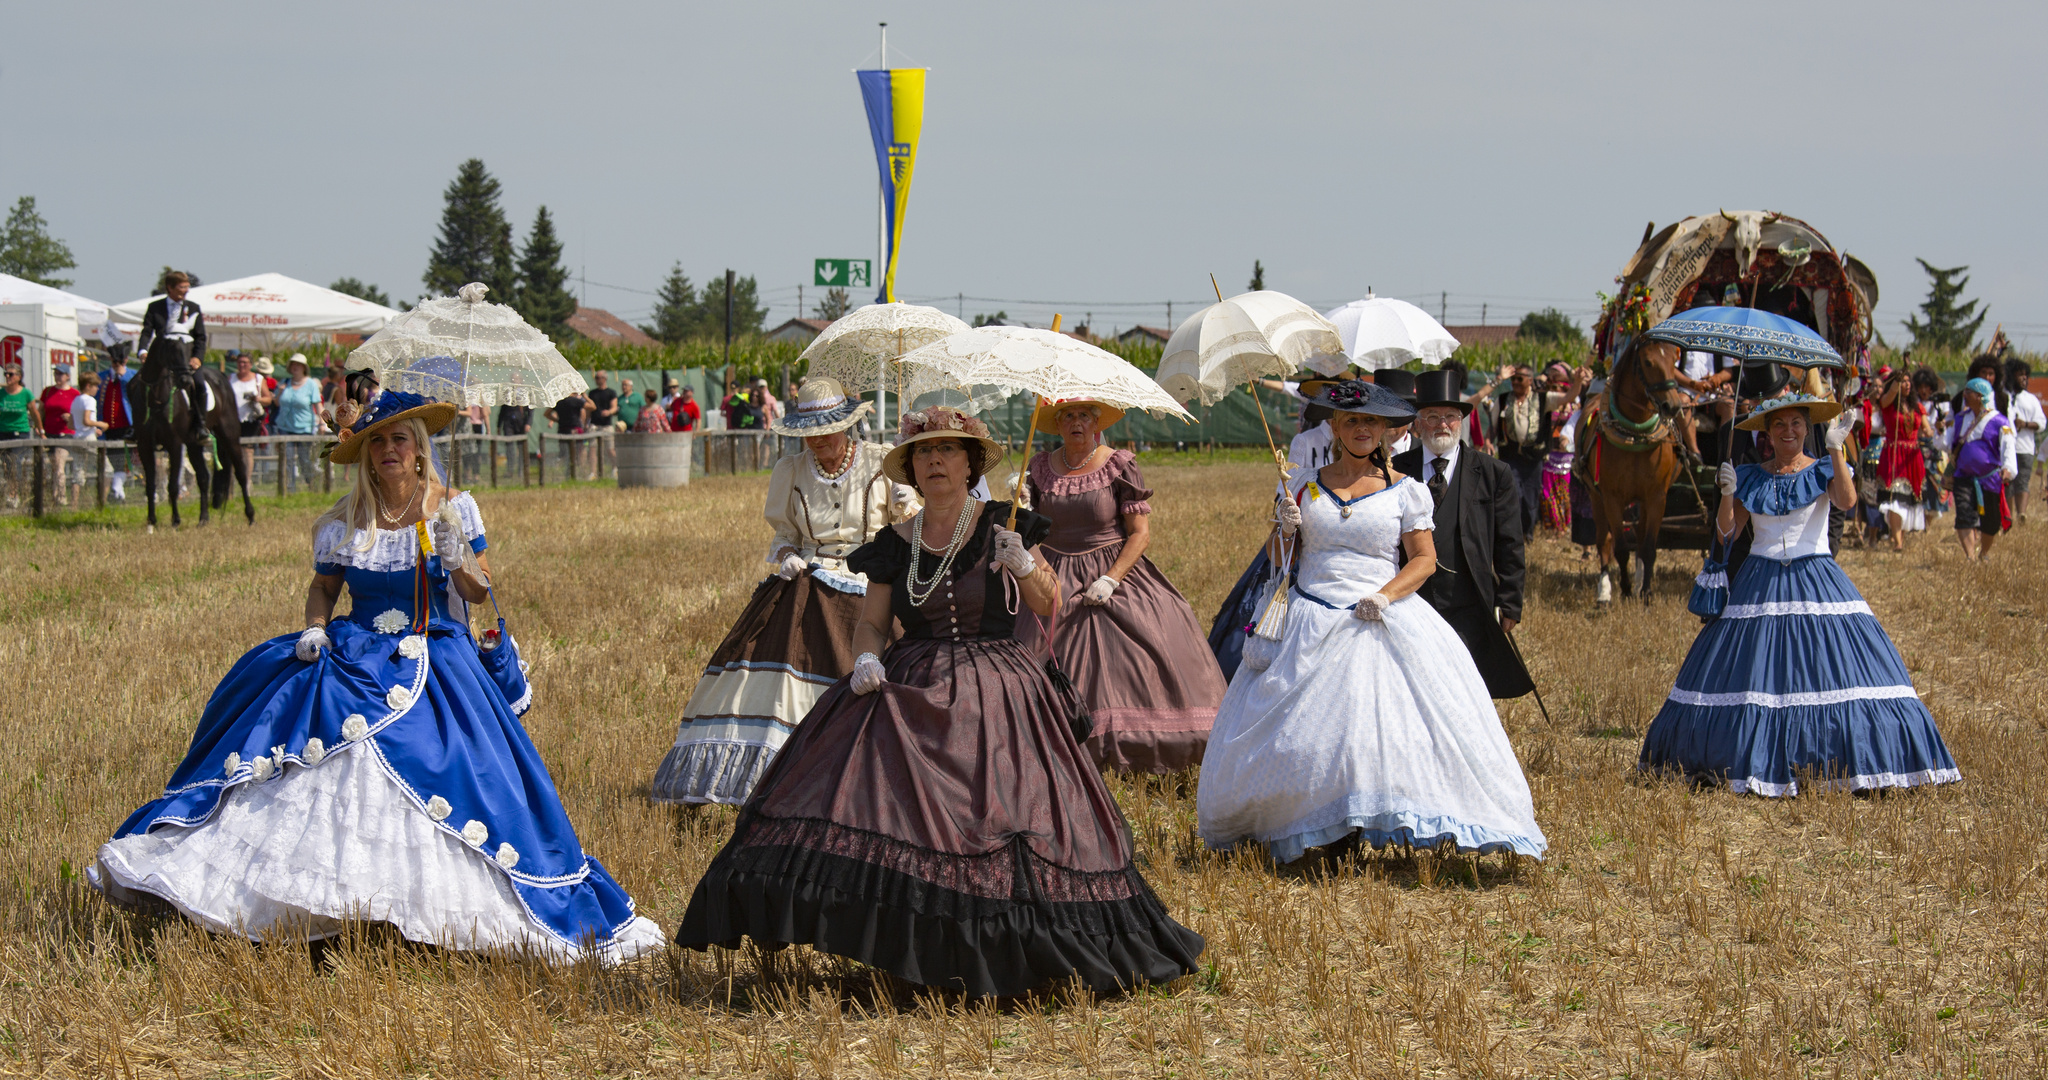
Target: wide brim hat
[[1359, 396], [263, 366], [1047, 416], [391, 407], [1441, 390], [822, 408], [1818, 410], [939, 422]]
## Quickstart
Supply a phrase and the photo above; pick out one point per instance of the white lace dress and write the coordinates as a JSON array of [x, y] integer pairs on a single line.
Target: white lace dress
[[1383, 727]]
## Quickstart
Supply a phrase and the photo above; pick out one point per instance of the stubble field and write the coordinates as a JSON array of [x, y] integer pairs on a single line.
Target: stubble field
[[1669, 931]]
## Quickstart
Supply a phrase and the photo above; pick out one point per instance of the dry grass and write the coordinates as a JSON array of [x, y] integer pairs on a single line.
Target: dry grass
[[1670, 932]]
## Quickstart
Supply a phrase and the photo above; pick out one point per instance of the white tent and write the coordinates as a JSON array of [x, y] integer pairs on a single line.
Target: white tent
[[268, 310], [14, 290]]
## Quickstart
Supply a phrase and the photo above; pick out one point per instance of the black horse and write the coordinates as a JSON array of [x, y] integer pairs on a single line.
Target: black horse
[[168, 424]]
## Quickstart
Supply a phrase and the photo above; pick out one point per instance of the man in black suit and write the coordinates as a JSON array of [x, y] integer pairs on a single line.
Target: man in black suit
[[173, 331], [1478, 534]]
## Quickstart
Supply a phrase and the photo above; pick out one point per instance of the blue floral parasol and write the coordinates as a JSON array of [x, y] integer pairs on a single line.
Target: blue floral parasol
[[1747, 334]]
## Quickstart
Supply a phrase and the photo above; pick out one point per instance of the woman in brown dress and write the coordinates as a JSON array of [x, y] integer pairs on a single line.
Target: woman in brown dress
[[1124, 635], [933, 816]]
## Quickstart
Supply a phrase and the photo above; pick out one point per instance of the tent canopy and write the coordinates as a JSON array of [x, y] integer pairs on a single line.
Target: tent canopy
[[14, 290], [266, 310]]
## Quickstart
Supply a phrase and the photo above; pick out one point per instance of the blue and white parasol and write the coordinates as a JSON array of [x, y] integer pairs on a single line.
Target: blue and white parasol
[[1747, 334]]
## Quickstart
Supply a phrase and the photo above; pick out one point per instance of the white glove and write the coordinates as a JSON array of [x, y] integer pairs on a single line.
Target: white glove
[[903, 502], [449, 545], [1724, 478], [1289, 517], [1010, 554], [793, 565], [867, 674], [1372, 608], [1838, 432], [1099, 590], [312, 643]]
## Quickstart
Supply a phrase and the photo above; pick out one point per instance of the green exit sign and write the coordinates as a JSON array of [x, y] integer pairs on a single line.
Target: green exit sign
[[842, 273]]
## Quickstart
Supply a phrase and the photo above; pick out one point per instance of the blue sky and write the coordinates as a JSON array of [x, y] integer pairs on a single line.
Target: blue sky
[[1092, 158]]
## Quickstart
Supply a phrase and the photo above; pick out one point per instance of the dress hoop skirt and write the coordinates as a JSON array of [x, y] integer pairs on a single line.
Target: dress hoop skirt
[[388, 780], [946, 828], [1796, 679]]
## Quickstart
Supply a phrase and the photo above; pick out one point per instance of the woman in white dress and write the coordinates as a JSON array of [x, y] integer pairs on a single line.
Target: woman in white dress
[[1364, 713]]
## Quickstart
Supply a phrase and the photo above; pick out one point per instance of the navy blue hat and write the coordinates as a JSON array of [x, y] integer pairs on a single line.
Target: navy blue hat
[[390, 407], [1359, 396]]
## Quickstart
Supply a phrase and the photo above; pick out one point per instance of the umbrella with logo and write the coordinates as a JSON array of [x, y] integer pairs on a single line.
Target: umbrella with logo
[[467, 350]]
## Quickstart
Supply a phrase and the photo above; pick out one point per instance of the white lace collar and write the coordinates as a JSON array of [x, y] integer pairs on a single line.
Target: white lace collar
[[387, 549]]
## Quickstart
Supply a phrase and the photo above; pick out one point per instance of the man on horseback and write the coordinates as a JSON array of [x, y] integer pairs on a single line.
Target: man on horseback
[[173, 332]]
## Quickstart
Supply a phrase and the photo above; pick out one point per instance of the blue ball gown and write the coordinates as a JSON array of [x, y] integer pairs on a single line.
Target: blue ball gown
[[389, 781], [1796, 676]]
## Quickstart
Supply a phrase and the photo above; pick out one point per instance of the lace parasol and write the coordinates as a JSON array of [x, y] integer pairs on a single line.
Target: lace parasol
[[460, 348], [1252, 335], [852, 348], [1051, 365]]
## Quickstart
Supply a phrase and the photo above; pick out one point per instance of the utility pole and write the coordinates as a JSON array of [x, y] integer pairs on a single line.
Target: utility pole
[[799, 300], [728, 332], [960, 307], [1443, 305], [1169, 317], [1482, 314]]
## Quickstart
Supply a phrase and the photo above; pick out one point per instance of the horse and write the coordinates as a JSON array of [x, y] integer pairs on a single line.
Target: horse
[[1631, 457], [158, 431]]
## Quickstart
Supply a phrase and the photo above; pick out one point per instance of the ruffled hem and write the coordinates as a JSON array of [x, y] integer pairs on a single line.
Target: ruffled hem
[[346, 842], [1402, 828], [711, 772], [1858, 742], [932, 936], [1764, 492], [1049, 482]]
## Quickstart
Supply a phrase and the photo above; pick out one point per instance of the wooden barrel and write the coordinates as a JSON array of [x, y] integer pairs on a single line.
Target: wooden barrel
[[653, 459]]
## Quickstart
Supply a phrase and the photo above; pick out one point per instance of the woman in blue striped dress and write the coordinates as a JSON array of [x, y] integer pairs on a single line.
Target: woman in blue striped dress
[[1795, 678]]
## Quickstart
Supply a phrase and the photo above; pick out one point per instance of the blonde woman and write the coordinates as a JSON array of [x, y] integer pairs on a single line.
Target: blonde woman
[[371, 766]]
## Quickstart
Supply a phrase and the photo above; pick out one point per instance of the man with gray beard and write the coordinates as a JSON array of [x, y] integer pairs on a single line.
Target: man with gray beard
[[1477, 586]]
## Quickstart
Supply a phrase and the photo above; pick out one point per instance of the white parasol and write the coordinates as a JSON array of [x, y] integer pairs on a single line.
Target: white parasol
[[1047, 363], [1382, 332], [462, 349], [1252, 335], [859, 345]]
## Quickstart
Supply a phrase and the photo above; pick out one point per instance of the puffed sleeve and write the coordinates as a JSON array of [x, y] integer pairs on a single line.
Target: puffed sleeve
[[1129, 486], [1418, 510], [325, 541], [881, 559], [472, 519], [780, 509]]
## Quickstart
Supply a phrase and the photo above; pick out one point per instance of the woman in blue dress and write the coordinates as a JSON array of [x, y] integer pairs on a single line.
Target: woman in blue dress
[[373, 766], [1795, 676]]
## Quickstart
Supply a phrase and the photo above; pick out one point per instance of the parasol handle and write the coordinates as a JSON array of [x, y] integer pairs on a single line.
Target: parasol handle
[[1030, 433], [1218, 288]]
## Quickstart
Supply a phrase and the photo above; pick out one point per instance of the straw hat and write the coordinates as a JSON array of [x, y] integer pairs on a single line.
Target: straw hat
[[263, 366], [390, 407], [1047, 417], [1818, 410], [938, 422], [822, 408]]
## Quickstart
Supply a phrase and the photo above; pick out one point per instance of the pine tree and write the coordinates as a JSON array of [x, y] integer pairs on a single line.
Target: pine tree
[[476, 240], [835, 305], [747, 312], [27, 250], [1949, 325], [675, 309], [544, 298], [1258, 275], [349, 286]]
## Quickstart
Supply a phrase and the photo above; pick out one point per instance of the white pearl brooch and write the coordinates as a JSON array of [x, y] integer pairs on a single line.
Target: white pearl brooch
[[507, 856], [315, 751], [391, 621], [355, 727], [413, 646], [438, 808], [475, 833]]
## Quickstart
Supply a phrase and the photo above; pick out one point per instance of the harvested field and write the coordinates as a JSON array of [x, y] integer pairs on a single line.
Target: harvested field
[[1670, 932]]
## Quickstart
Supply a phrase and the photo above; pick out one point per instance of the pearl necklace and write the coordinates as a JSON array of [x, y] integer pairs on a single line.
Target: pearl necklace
[[960, 530], [846, 461], [393, 519], [1070, 467]]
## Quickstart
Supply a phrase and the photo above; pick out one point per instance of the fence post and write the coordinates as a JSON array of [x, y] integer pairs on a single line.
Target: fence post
[[493, 448], [36, 469], [100, 476], [543, 460], [277, 450]]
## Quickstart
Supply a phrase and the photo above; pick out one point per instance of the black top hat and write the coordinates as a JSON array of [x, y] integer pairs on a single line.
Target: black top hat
[[1359, 396], [1399, 380], [1441, 389]]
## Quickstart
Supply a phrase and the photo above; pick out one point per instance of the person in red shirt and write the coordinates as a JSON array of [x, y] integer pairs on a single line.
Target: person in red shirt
[[683, 413], [56, 402]]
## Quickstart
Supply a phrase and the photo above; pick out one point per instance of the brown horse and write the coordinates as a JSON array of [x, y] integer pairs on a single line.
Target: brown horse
[[1627, 455], [172, 423]]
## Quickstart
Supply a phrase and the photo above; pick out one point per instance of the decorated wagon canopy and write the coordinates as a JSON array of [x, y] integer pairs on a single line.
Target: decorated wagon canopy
[[1743, 258]]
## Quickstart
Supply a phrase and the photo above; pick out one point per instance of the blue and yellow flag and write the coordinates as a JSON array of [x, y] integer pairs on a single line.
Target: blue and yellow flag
[[895, 104]]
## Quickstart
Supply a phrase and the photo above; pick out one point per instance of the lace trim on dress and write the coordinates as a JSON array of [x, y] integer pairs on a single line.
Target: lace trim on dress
[[1772, 495], [1049, 481], [386, 550]]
